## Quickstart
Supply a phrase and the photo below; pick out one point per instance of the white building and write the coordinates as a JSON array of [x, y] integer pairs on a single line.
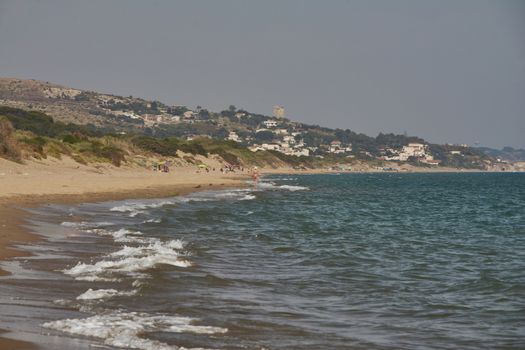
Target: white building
[[416, 150], [289, 139], [412, 150], [188, 115], [302, 152], [337, 147], [270, 123], [233, 137], [270, 146]]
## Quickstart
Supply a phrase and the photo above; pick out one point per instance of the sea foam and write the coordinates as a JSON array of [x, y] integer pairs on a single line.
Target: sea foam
[[130, 259], [91, 294], [123, 329]]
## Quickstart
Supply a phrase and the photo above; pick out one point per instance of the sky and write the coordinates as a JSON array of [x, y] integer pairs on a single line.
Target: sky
[[450, 71]]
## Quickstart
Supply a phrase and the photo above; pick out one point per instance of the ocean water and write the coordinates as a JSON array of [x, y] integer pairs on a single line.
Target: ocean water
[[350, 261]]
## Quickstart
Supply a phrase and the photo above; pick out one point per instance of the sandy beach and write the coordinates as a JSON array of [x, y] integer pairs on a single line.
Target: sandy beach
[[65, 181]]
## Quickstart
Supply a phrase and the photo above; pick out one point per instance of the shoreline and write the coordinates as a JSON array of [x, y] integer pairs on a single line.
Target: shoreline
[[14, 217], [13, 214], [12, 205]]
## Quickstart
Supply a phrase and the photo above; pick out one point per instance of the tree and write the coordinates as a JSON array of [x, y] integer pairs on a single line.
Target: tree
[[204, 114], [264, 136], [232, 108]]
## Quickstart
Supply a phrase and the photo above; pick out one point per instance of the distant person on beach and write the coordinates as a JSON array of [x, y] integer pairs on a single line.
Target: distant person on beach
[[255, 176]]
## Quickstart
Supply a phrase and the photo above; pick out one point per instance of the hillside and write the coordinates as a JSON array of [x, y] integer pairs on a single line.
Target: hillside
[[508, 154], [281, 137]]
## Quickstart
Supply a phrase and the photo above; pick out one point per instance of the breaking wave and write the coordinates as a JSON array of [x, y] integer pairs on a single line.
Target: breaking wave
[[126, 329], [91, 294]]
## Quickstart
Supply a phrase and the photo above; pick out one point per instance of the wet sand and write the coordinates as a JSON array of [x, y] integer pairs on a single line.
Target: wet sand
[[11, 344]]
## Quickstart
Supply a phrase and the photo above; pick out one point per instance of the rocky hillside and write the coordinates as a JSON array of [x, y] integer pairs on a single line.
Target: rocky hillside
[[65, 104]]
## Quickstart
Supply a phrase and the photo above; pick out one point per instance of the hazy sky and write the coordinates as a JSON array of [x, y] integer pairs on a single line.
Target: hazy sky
[[449, 71]]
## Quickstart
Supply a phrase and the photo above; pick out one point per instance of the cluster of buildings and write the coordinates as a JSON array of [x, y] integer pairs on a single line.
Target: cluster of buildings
[[337, 147], [165, 118], [289, 143], [416, 151]]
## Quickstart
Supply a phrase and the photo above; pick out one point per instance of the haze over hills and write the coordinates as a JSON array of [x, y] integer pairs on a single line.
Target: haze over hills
[[130, 114]]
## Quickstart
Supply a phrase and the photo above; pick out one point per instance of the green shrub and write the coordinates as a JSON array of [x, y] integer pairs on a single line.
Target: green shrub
[[69, 138], [113, 154], [228, 157], [36, 144], [9, 147]]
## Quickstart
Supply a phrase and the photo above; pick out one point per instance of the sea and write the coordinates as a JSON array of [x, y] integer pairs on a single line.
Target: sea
[[332, 261]]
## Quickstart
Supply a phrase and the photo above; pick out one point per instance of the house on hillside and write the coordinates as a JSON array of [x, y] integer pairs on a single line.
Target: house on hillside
[[270, 123], [232, 136], [188, 115], [281, 132], [337, 147]]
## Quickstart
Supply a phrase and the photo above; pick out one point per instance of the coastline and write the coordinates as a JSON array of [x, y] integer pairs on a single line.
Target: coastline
[[67, 183]]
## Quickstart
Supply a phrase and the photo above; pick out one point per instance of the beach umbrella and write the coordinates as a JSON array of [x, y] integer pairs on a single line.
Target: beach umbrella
[[203, 166]]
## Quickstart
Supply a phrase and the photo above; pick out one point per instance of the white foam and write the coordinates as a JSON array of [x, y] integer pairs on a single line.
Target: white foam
[[130, 260], [91, 294], [156, 221], [274, 186], [236, 194], [122, 329], [137, 207], [85, 224], [123, 235], [294, 188]]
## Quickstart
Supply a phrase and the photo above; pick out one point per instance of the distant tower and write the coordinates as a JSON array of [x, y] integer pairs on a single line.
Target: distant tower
[[278, 111]]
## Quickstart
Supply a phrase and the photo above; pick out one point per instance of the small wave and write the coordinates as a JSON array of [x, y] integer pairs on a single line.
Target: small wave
[[136, 208], [84, 224], [273, 186], [130, 207], [124, 329], [91, 294], [294, 188], [130, 260], [236, 194], [123, 235], [155, 221]]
